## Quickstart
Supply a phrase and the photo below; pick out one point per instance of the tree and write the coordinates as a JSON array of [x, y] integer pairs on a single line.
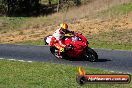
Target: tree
[[49, 1], [2, 7], [20, 7], [62, 4]]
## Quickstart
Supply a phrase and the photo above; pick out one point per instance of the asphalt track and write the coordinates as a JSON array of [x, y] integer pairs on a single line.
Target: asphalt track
[[114, 60]]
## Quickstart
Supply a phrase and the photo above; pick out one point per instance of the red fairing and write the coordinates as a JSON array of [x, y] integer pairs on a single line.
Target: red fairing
[[53, 41], [57, 43], [79, 45], [79, 42]]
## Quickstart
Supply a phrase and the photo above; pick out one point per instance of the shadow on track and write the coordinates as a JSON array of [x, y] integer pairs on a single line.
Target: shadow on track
[[103, 60], [99, 60]]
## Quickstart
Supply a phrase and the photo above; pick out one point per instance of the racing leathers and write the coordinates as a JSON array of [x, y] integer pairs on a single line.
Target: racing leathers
[[57, 39]]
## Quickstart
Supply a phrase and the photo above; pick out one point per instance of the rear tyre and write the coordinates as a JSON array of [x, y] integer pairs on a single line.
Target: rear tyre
[[91, 55]]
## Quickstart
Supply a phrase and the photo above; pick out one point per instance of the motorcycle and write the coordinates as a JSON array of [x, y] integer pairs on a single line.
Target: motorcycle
[[78, 48]]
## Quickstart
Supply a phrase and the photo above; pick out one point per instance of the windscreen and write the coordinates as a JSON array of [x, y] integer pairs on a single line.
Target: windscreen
[[76, 38]]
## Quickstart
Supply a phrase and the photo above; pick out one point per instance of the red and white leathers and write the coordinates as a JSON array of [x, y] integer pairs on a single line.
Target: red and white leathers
[[56, 39]]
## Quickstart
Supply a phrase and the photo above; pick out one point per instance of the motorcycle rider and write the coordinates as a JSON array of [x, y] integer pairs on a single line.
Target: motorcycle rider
[[58, 36]]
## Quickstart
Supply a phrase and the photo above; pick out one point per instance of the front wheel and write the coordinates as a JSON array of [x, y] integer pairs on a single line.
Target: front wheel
[[54, 51], [91, 55]]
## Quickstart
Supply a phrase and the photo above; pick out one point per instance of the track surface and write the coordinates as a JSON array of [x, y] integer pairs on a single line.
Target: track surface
[[108, 59]]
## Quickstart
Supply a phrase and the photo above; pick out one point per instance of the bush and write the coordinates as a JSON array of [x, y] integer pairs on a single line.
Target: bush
[[32, 7], [2, 7], [17, 7]]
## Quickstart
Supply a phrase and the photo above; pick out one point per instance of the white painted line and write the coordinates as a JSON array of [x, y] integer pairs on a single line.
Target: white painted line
[[112, 71], [29, 61], [21, 60], [128, 73], [1, 58], [120, 72], [111, 49], [12, 59], [16, 60]]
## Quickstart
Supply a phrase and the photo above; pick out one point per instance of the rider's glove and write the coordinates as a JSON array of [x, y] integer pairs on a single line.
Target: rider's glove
[[62, 49]]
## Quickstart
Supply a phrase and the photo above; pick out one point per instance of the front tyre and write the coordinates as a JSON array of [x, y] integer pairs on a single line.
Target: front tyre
[[54, 51], [91, 55]]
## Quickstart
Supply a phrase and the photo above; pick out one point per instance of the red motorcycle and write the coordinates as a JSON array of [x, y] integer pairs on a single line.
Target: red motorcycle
[[77, 48]]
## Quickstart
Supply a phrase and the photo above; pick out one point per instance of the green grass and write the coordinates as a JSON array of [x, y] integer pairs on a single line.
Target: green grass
[[125, 8], [20, 23], [52, 1], [46, 75], [109, 45], [11, 23], [117, 10], [112, 40], [31, 42]]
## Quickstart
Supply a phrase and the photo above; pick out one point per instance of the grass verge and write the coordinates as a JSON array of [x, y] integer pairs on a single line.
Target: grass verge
[[31, 42], [109, 45], [117, 10], [11, 23], [46, 75]]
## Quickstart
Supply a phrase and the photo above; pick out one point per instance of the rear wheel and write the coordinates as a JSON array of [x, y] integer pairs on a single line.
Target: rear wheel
[[91, 55]]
